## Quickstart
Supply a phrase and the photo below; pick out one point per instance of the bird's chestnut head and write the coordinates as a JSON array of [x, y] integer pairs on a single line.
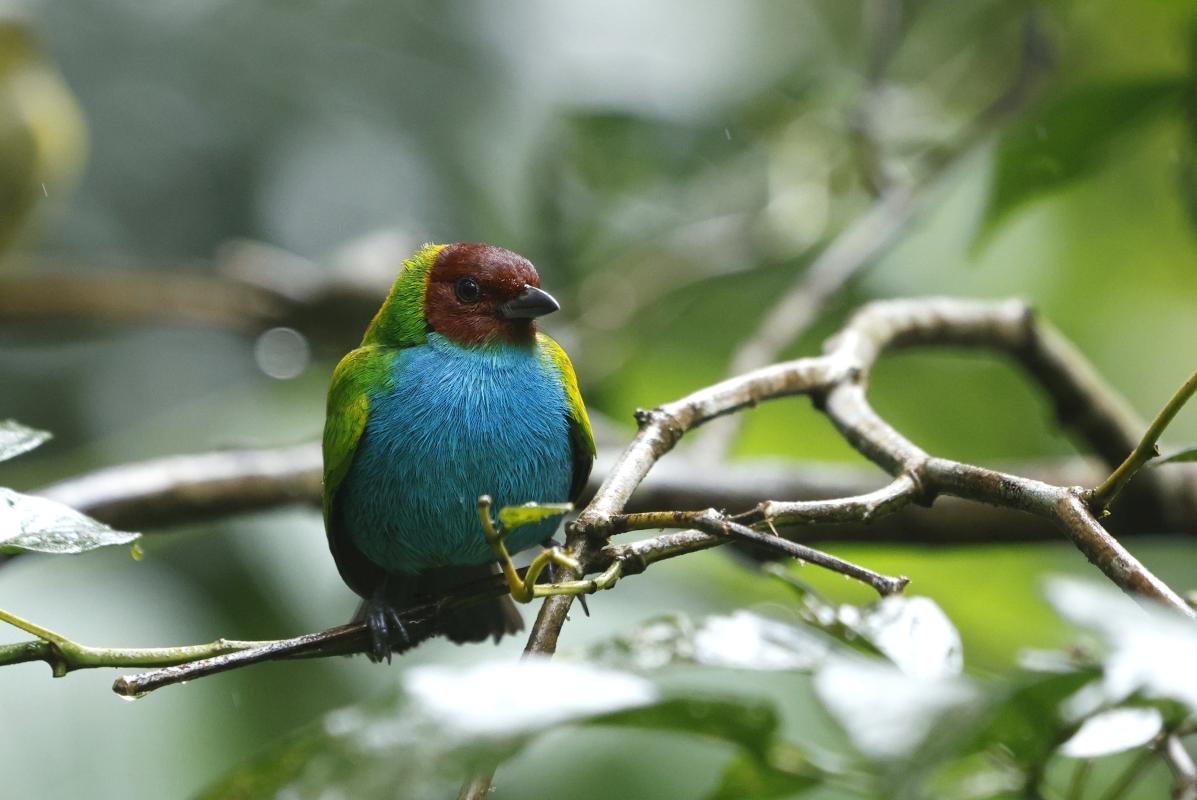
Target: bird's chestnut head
[[478, 293]]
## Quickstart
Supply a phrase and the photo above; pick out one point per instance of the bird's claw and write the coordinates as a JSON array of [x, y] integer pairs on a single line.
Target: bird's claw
[[387, 631]]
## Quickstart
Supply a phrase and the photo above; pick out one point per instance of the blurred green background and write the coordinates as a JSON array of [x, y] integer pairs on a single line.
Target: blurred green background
[[671, 168]]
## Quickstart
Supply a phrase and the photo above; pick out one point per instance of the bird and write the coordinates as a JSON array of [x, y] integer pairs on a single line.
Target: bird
[[453, 394]]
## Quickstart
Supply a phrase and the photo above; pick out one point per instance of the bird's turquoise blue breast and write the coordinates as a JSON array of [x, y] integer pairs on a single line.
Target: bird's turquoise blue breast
[[451, 424]]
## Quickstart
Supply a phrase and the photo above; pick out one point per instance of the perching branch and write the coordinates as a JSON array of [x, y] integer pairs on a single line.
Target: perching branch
[[189, 662], [837, 380]]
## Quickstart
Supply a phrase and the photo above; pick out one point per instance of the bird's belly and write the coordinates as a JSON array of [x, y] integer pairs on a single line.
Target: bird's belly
[[446, 432]]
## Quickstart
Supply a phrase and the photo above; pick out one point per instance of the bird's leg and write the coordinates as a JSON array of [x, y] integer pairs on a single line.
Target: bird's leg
[[386, 627], [525, 588], [552, 574], [605, 580]]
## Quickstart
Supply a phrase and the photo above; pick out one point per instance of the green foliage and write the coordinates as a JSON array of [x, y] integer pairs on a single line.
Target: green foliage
[[911, 730], [1070, 138], [35, 524]]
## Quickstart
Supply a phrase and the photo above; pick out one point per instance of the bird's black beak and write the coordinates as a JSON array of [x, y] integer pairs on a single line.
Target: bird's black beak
[[529, 304]]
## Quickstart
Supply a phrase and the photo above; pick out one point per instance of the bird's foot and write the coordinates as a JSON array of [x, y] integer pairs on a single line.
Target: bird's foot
[[523, 589], [553, 573], [387, 631]]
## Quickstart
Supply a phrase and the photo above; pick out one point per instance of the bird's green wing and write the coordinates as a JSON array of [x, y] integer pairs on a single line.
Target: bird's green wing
[[360, 372], [581, 435], [348, 407]]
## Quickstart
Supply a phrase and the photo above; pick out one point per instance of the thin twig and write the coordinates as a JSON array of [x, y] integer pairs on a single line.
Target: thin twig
[[1145, 450], [1184, 771], [713, 523]]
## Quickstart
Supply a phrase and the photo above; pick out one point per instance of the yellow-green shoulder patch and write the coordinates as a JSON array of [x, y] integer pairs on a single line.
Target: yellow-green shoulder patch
[[580, 431]]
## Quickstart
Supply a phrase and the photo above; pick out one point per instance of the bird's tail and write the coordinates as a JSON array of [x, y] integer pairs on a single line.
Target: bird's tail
[[490, 618]]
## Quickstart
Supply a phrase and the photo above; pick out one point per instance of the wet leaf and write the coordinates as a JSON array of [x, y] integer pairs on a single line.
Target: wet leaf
[[35, 524], [515, 516], [15, 439], [1114, 731], [1070, 139]]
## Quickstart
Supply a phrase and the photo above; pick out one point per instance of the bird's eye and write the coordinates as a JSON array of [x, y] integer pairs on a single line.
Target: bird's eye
[[468, 290]]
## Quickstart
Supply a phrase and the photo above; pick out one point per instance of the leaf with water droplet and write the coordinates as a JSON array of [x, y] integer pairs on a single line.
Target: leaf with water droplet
[[16, 438], [529, 513], [36, 524]]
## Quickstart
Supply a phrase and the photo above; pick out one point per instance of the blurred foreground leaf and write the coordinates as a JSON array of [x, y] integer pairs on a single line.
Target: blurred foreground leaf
[[1151, 649], [15, 439], [35, 524], [1114, 731], [450, 722], [781, 775], [887, 713], [1070, 138]]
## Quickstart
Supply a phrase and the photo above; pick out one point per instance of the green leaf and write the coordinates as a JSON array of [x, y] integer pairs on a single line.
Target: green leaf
[[36, 524], [515, 516], [15, 439], [783, 774], [1025, 718], [1069, 139], [750, 724], [1188, 454]]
